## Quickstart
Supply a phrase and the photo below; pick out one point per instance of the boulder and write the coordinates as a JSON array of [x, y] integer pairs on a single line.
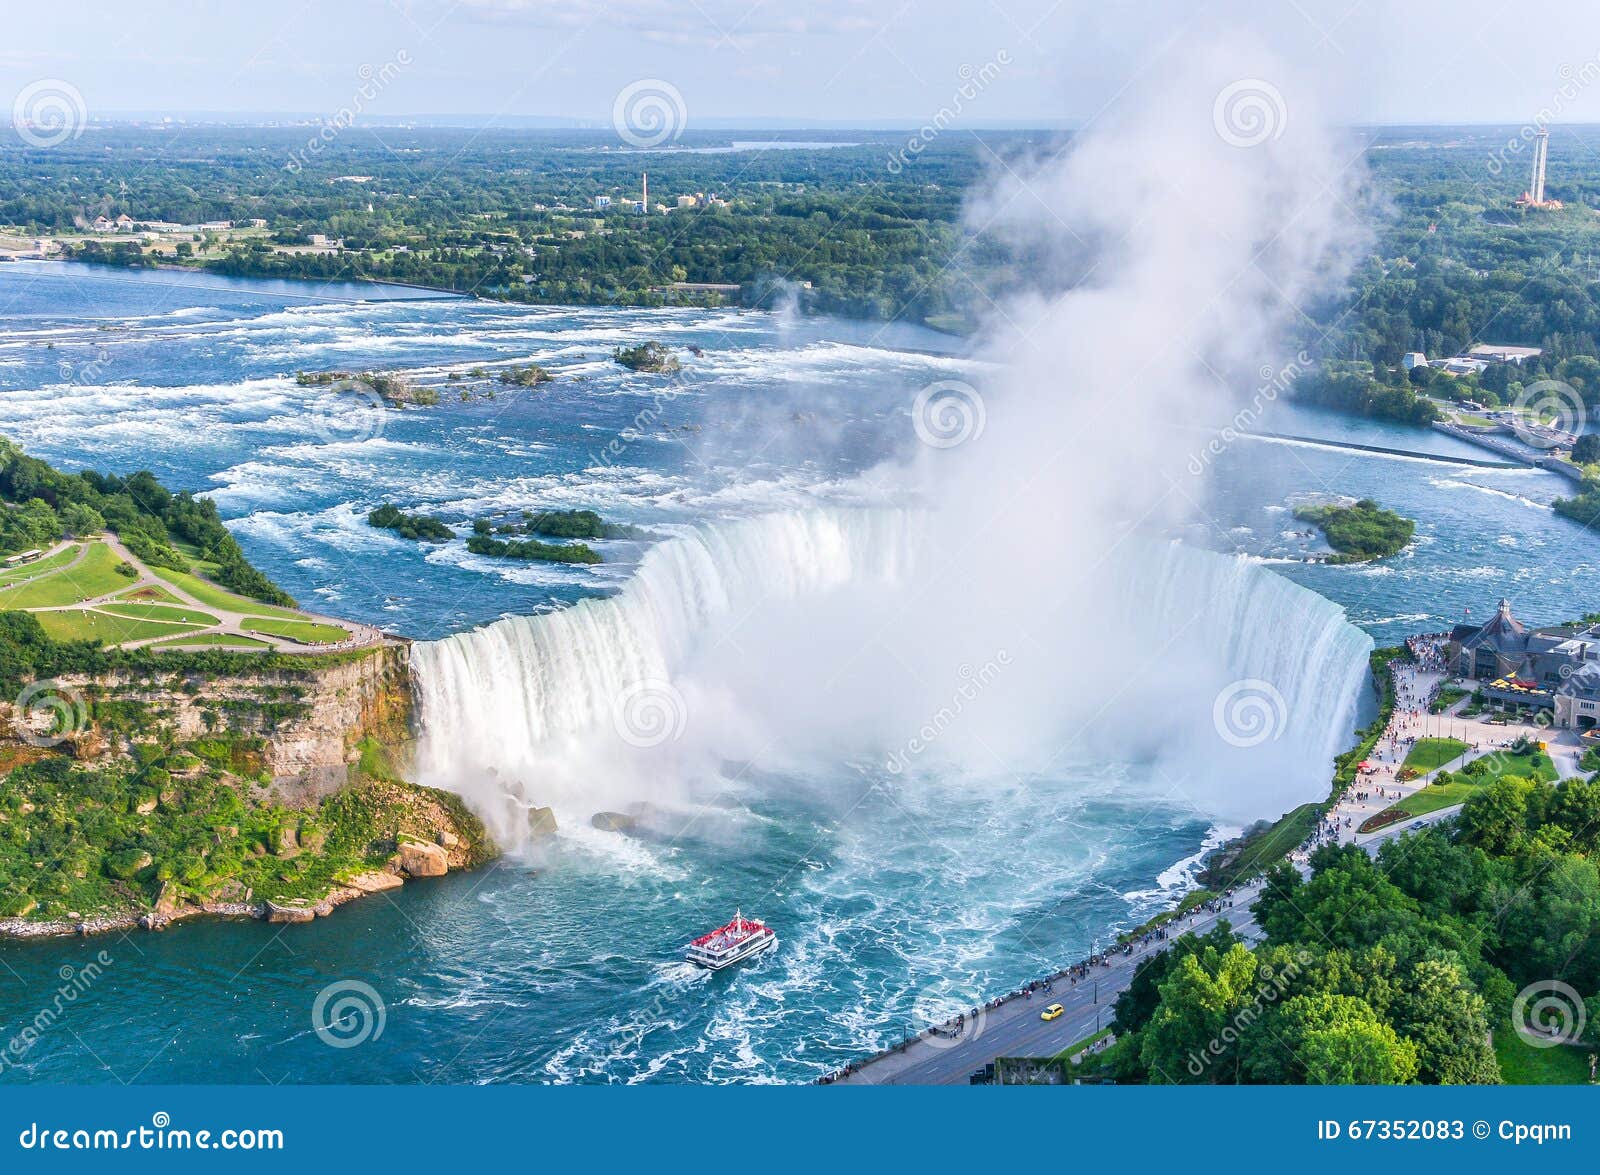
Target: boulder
[[86, 744], [291, 910], [285, 842], [448, 839], [232, 890], [145, 806], [613, 821], [541, 822], [422, 860], [167, 900], [375, 881]]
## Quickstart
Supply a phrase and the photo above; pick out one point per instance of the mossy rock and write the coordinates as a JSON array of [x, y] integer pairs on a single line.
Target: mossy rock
[[126, 864], [17, 907]]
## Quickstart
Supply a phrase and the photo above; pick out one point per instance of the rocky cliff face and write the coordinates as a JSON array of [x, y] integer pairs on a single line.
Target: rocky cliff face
[[310, 721]]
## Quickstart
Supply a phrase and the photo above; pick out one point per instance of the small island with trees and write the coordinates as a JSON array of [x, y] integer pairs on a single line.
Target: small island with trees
[[652, 357], [1361, 532], [417, 527], [520, 538]]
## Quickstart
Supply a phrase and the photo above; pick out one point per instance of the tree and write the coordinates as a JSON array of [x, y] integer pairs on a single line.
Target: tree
[[1496, 818], [1551, 930], [1347, 903], [1587, 450], [1339, 1040], [1206, 1003], [1438, 1011]]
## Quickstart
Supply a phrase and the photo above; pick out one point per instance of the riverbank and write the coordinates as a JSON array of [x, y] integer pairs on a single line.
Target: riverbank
[[286, 911], [1009, 1025]]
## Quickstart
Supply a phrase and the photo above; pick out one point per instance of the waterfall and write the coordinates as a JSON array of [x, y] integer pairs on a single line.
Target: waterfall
[[829, 634]]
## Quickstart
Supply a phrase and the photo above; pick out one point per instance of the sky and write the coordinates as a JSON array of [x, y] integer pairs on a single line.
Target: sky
[[891, 62]]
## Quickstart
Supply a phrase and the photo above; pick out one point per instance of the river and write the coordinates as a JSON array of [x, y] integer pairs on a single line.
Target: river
[[899, 896]]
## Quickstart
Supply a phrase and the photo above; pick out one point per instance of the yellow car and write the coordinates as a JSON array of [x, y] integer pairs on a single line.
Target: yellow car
[[1051, 1012]]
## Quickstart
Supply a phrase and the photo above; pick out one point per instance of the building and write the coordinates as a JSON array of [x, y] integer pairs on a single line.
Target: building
[[1577, 699], [602, 201], [1413, 359], [103, 225], [124, 223], [1547, 669], [1496, 353], [1504, 647], [1459, 365]]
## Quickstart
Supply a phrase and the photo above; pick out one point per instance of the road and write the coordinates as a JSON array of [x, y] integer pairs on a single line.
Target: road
[[1014, 1028]]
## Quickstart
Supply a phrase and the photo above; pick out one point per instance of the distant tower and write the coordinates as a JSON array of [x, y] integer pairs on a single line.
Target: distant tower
[[1541, 150], [644, 190]]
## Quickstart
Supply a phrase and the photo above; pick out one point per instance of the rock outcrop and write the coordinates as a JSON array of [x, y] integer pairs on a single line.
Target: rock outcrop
[[422, 860]]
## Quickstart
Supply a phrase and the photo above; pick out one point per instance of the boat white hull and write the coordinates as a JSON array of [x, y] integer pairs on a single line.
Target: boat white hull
[[748, 950]]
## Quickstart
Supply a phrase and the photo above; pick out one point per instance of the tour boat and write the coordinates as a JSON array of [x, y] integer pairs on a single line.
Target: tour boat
[[733, 943]]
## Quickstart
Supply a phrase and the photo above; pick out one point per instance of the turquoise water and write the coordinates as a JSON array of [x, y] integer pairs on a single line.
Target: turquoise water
[[897, 898]]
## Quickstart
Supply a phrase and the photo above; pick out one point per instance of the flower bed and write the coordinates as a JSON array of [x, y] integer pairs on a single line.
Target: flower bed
[[1382, 820]]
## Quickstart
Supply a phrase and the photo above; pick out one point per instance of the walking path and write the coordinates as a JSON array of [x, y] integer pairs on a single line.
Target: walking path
[[227, 622], [1416, 684]]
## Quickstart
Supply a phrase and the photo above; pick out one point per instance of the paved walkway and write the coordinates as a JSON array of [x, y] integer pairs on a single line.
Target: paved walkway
[[1415, 687], [228, 622]]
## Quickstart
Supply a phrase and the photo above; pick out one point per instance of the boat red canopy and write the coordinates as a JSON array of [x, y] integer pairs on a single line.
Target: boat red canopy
[[738, 930]]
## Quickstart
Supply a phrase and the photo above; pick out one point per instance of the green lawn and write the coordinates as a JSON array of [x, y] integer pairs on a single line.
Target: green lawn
[[304, 631], [1460, 785], [29, 570], [80, 624], [178, 615], [212, 640], [1442, 795], [1522, 1064], [95, 576], [1430, 753], [215, 596]]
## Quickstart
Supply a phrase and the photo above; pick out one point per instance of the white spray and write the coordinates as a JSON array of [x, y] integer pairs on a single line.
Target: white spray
[[1024, 617]]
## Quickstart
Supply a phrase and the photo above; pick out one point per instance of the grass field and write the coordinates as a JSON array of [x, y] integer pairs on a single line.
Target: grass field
[[29, 570], [1430, 753], [1522, 1064], [212, 640], [80, 624], [1460, 786], [213, 596], [1441, 795], [304, 631], [178, 615], [95, 576]]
